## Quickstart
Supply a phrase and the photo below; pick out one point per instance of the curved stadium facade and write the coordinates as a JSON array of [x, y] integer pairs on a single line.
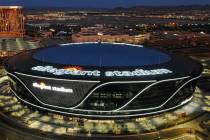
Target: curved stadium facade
[[102, 80]]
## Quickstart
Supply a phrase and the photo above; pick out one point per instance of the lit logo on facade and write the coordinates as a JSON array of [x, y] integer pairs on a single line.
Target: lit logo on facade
[[116, 73], [74, 68], [137, 72], [66, 71], [43, 86]]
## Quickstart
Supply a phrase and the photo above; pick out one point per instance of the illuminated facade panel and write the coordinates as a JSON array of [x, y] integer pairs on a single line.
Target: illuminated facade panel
[[11, 21]]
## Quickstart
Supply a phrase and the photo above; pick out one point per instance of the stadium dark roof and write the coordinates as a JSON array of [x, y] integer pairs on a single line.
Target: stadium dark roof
[[101, 54]]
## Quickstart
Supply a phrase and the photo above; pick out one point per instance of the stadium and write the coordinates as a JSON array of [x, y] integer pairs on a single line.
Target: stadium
[[102, 80]]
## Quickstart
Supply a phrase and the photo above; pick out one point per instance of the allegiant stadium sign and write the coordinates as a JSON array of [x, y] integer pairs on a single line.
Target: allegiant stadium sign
[[43, 86], [96, 73]]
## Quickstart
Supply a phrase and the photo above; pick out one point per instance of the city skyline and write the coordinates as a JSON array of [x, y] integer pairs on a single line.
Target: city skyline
[[100, 3]]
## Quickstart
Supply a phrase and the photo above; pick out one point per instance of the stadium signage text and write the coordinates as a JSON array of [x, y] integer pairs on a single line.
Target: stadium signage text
[[115, 73], [137, 72], [43, 86], [55, 71]]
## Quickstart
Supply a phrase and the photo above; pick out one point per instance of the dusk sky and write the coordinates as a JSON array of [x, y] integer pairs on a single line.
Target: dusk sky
[[99, 3]]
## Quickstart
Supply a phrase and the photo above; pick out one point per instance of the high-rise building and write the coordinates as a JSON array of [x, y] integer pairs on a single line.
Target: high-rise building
[[11, 21]]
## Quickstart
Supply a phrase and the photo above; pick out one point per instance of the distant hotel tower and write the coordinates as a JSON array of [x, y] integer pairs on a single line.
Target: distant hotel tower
[[11, 21]]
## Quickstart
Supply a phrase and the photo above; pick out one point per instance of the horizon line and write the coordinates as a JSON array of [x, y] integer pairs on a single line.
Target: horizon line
[[124, 7]]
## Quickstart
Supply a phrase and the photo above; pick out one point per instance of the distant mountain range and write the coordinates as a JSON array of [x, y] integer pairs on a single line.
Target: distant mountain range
[[181, 7], [136, 8]]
